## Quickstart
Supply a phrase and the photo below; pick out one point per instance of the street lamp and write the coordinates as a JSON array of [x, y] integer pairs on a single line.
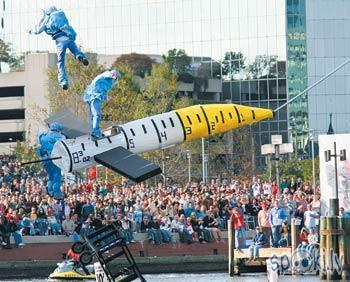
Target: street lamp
[[334, 203], [164, 158], [276, 147], [311, 136], [188, 155], [204, 162]]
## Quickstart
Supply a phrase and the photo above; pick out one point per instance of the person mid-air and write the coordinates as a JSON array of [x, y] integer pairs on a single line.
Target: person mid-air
[[55, 23]]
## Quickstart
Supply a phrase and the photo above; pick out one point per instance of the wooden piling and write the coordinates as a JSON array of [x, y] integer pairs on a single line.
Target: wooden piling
[[231, 247], [323, 242], [294, 233], [332, 247], [344, 248]]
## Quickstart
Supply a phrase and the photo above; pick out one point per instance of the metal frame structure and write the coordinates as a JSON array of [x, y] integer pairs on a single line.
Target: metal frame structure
[[100, 244]]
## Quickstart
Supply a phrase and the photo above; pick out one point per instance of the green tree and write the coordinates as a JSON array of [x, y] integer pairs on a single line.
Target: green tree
[[180, 64], [203, 73], [125, 102], [79, 77], [160, 91], [140, 64], [232, 64], [6, 56], [263, 66], [295, 168]]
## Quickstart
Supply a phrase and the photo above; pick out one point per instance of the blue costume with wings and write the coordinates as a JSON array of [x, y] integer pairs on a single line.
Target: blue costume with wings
[[47, 140], [95, 94], [55, 23]]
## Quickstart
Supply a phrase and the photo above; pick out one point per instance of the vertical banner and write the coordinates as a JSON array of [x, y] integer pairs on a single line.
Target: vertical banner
[[327, 171]]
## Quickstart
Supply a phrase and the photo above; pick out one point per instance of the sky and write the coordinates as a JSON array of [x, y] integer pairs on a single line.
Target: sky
[[207, 28]]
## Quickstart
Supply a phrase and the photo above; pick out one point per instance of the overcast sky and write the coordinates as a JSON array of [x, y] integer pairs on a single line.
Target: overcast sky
[[202, 27]]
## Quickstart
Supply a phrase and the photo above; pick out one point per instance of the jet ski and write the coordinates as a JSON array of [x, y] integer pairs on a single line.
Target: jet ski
[[68, 270]]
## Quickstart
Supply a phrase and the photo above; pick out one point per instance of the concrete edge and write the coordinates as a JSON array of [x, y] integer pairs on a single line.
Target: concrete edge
[[148, 265]]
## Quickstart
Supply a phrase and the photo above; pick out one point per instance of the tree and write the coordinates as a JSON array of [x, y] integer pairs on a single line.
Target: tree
[[160, 91], [15, 62], [125, 101], [203, 73], [263, 66], [296, 168], [179, 62], [79, 77], [232, 64], [140, 64]]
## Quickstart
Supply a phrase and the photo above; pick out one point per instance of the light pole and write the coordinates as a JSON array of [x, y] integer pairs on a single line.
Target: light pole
[[334, 203], [204, 162], [188, 155], [276, 147], [312, 139], [164, 158]]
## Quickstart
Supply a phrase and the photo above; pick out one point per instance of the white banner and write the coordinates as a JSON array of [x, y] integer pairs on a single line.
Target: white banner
[[327, 171]]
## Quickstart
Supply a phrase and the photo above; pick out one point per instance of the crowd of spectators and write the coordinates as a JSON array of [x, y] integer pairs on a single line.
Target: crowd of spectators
[[197, 212]]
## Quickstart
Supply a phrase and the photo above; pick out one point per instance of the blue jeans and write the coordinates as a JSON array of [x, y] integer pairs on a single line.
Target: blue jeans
[[240, 233], [17, 237], [154, 235], [276, 234], [254, 250], [55, 179], [94, 108], [75, 237], [42, 225], [62, 44], [129, 236], [166, 235], [27, 223], [55, 228]]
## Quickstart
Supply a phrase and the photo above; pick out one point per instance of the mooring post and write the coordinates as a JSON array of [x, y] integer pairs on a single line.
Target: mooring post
[[323, 245], [231, 247], [332, 249], [344, 224], [294, 232]]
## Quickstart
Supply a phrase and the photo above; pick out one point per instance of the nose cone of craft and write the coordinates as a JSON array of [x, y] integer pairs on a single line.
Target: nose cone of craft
[[206, 120]]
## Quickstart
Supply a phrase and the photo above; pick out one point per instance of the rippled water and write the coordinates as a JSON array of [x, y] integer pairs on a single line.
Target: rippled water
[[207, 277]]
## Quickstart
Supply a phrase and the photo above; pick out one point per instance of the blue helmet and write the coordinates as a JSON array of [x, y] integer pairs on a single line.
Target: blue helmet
[[56, 126], [50, 10]]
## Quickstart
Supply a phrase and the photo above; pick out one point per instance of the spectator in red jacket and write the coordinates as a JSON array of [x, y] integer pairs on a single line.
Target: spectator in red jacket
[[239, 225]]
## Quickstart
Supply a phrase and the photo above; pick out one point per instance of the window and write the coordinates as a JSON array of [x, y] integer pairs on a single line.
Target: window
[[12, 114], [11, 136], [14, 91]]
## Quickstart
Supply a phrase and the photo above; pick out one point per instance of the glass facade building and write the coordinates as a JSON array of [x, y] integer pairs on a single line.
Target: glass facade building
[[267, 50], [328, 38], [297, 73], [247, 38]]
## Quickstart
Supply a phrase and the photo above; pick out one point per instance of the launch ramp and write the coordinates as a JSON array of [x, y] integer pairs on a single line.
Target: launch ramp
[[106, 245], [128, 164]]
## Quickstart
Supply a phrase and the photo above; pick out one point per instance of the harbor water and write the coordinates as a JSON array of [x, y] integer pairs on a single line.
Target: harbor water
[[203, 277]]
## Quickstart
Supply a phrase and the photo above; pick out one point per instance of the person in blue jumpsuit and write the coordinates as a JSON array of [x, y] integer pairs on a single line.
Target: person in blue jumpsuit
[[47, 140], [95, 94], [55, 23]]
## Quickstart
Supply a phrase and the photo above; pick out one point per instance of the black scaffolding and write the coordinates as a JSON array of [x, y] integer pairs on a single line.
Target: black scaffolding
[[108, 244]]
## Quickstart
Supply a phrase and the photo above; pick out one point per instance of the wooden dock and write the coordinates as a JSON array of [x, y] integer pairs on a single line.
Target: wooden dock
[[241, 257]]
